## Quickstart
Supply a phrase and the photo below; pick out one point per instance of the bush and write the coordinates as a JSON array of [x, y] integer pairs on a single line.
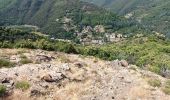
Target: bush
[[69, 48], [25, 61], [22, 85], [23, 56], [166, 88], [6, 63], [2, 90], [154, 82]]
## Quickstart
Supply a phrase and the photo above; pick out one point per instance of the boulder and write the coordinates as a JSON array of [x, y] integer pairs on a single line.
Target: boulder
[[58, 76], [43, 58], [124, 63], [65, 67], [53, 77], [47, 78]]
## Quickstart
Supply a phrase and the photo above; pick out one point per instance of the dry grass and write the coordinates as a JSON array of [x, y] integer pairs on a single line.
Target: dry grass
[[70, 92], [21, 51], [138, 92], [23, 85], [64, 59], [25, 60], [154, 82], [166, 88], [6, 63]]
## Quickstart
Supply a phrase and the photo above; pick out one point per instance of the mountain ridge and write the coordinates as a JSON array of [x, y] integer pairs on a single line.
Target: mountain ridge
[[154, 14], [46, 13]]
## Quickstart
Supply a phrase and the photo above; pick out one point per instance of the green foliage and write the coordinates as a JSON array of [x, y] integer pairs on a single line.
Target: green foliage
[[25, 61], [6, 63], [154, 82], [2, 90], [44, 14], [50, 16], [166, 89], [144, 52], [153, 14], [23, 85], [69, 48]]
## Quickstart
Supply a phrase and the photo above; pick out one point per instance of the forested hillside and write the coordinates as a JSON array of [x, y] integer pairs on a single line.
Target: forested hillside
[[144, 51], [63, 18], [153, 14], [54, 16]]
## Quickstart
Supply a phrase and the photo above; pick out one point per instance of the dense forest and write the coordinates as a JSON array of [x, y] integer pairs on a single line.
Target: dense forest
[[61, 19], [153, 14]]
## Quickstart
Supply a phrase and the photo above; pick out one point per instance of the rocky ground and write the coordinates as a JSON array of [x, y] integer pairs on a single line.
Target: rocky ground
[[58, 76]]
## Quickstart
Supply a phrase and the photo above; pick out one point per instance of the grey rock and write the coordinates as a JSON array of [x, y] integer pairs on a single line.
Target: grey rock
[[65, 67], [43, 58], [53, 77], [47, 78]]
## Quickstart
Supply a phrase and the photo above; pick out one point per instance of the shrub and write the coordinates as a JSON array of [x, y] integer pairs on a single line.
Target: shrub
[[23, 56], [6, 63], [2, 90], [154, 82], [22, 85], [25, 60], [166, 88], [64, 59], [69, 48], [21, 51]]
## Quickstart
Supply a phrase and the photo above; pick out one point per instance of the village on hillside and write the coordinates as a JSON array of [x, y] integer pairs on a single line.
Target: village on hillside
[[98, 35]]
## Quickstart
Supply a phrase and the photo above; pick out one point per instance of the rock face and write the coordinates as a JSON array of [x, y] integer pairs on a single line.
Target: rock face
[[80, 79]]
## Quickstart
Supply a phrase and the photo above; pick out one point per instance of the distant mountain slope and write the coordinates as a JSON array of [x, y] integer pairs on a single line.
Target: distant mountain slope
[[54, 16], [114, 5], [152, 13], [5, 3]]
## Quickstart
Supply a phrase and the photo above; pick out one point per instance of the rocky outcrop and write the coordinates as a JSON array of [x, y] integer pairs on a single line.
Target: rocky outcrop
[[53, 77], [80, 78], [43, 58]]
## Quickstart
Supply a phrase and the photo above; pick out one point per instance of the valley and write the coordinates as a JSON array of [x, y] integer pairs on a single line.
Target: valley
[[84, 50]]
